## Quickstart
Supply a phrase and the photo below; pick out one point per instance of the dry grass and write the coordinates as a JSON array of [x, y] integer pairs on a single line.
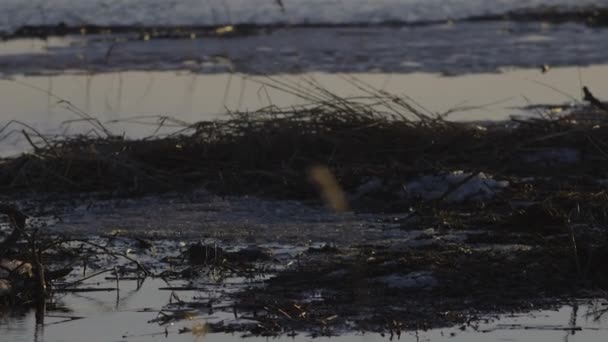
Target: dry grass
[[271, 151]]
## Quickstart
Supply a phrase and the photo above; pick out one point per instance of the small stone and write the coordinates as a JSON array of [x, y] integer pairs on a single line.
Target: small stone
[[5, 287], [15, 267]]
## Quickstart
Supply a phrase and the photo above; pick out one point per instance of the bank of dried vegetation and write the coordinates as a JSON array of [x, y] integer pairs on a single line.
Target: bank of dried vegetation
[[554, 161], [269, 151]]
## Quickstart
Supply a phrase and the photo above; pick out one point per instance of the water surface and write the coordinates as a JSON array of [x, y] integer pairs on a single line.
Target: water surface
[[134, 103], [107, 317]]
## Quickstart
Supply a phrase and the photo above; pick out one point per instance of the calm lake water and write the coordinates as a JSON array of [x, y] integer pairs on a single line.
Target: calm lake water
[[134, 103]]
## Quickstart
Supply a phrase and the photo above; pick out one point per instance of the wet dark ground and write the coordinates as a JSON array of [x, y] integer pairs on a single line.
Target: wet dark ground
[[252, 266]]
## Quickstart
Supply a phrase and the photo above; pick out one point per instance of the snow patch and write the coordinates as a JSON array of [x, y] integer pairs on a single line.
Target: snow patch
[[16, 13]]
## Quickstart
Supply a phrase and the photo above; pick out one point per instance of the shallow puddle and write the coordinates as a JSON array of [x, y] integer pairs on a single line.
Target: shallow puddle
[[285, 227], [130, 314], [133, 312]]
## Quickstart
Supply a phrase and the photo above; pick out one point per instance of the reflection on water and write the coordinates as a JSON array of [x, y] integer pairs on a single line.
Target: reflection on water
[[18, 327], [125, 316], [140, 97], [134, 103], [17, 47]]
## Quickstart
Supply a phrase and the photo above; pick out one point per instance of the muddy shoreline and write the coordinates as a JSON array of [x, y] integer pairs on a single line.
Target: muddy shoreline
[[427, 223], [433, 278]]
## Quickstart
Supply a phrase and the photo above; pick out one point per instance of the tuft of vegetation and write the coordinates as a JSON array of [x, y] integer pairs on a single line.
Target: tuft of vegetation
[[270, 151]]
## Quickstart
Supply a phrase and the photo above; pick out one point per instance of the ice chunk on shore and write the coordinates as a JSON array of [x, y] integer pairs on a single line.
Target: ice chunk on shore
[[463, 186]]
